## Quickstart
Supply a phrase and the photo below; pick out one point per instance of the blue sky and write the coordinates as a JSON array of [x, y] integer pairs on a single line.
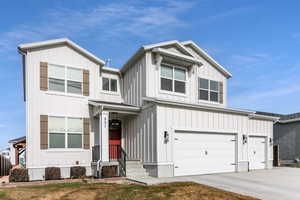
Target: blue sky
[[257, 41]]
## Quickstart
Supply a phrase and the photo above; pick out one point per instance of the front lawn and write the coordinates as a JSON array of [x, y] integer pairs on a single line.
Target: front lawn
[[84, 191]]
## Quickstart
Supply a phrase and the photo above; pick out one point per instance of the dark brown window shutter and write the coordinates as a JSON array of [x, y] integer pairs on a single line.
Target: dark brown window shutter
[[44, 76], [86, 133], [221, 93], [86, 82], [44, 131]]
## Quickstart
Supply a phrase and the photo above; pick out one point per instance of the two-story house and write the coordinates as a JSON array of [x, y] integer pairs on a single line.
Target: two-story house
[[166, 108]]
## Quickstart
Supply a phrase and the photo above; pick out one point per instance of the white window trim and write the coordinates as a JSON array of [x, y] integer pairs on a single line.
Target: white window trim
[[66, 80], [66, 135], [109, 91], [173, 80], [209, 90]]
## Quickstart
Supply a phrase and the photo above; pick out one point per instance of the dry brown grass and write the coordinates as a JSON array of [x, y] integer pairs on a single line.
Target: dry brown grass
[[109, 191]]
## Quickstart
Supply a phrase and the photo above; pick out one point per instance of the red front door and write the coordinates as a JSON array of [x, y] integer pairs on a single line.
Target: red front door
[[114, 143]]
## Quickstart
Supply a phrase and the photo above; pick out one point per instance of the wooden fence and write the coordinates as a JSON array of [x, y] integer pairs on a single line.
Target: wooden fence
[[5, 166]]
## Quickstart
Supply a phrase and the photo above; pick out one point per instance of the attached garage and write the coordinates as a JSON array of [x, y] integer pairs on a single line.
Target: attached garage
[[204, 153], [257, 152]]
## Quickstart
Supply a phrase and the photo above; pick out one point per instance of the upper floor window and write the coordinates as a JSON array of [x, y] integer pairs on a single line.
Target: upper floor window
[[109, 84], [208, 90], [65, 79], [172, 79], [65, 132]]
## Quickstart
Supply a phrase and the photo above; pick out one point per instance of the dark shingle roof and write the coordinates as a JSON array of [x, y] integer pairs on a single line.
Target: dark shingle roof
[[17, 139], [282, 117]]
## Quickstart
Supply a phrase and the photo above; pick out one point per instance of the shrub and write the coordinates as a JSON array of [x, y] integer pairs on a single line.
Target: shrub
[[109, 171], [78, 172], [19, 175], [52, 173]]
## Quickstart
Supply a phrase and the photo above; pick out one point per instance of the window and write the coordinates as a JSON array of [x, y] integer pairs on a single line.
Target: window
[[65, 79], [109, 84], [208, 90], [65, 132], [172, 79]]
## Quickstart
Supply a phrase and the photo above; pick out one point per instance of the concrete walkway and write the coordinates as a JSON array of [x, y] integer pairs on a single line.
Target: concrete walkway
[[275, 184]]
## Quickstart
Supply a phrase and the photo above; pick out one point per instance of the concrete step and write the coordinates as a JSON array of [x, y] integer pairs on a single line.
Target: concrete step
[[137, 174]]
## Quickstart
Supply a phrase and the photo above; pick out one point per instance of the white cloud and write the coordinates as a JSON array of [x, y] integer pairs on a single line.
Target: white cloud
[[105, 21], [226, 14]]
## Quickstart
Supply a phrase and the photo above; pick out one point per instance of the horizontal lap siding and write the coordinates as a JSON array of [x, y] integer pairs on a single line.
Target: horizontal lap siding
[[170, 117], [140, 136]]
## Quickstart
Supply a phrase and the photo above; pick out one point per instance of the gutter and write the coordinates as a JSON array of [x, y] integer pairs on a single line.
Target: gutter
[[23, 53], [250, 114], [288, 121]]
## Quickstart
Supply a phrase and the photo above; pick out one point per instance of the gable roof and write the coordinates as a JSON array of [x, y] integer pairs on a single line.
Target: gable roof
[[61, 41], [23, 138], [168, 43], [208, 58], [182, 47]]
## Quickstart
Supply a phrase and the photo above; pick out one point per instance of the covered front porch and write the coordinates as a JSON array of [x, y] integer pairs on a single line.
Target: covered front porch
[[109, 121]]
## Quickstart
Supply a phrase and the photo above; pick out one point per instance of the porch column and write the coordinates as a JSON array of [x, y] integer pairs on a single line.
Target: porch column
[[104, 137]]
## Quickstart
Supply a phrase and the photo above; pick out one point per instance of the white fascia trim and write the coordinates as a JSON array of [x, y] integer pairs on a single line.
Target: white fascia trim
[[263, 117], [110, 69], [223, 131], [288, 121], [33, 45], [208, 57], [122, 107], [228, 110], [176, 55], [60, 166]]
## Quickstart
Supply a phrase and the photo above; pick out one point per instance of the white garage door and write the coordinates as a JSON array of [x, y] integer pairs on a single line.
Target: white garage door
[[200, 153], [257, 152]]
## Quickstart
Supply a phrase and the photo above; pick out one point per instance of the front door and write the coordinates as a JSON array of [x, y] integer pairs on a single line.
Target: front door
[[114, 139]]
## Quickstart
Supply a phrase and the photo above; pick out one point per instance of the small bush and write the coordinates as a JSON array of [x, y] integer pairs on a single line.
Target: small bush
[[52, 173], [78, 172], [19, 175]]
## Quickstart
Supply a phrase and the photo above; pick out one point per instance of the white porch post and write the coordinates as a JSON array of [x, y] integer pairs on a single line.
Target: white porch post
[[104, 137]]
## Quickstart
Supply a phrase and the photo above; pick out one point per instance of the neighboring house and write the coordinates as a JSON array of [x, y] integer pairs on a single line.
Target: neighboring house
[[17, 146], [166, 108], [5, 153], [287, 136]]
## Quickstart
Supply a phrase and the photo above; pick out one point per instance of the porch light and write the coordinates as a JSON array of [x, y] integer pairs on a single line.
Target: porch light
[[166, 136], [245, 139], [271, 141]]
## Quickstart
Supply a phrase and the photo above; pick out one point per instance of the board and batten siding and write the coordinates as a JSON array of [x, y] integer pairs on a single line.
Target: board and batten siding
[[171, 117], [134, 83], [50, 103], [205, 71], [140, 136]]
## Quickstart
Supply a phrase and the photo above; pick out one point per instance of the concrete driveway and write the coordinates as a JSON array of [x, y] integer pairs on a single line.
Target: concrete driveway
[[275, 184]]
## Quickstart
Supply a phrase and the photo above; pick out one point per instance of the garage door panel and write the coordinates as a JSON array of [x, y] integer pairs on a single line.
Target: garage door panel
[[200, 153]]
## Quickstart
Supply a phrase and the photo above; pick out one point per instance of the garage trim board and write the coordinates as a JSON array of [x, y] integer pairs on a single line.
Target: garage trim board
[[204, 152]]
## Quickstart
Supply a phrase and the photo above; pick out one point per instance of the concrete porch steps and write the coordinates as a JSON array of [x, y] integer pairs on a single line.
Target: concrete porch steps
[[134, 169]]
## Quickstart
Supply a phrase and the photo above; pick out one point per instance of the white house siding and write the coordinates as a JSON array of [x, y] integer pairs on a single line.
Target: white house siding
[[134, 83], [205, 71], [140, 136], [57, 104], [170, 118], [107, 95]]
